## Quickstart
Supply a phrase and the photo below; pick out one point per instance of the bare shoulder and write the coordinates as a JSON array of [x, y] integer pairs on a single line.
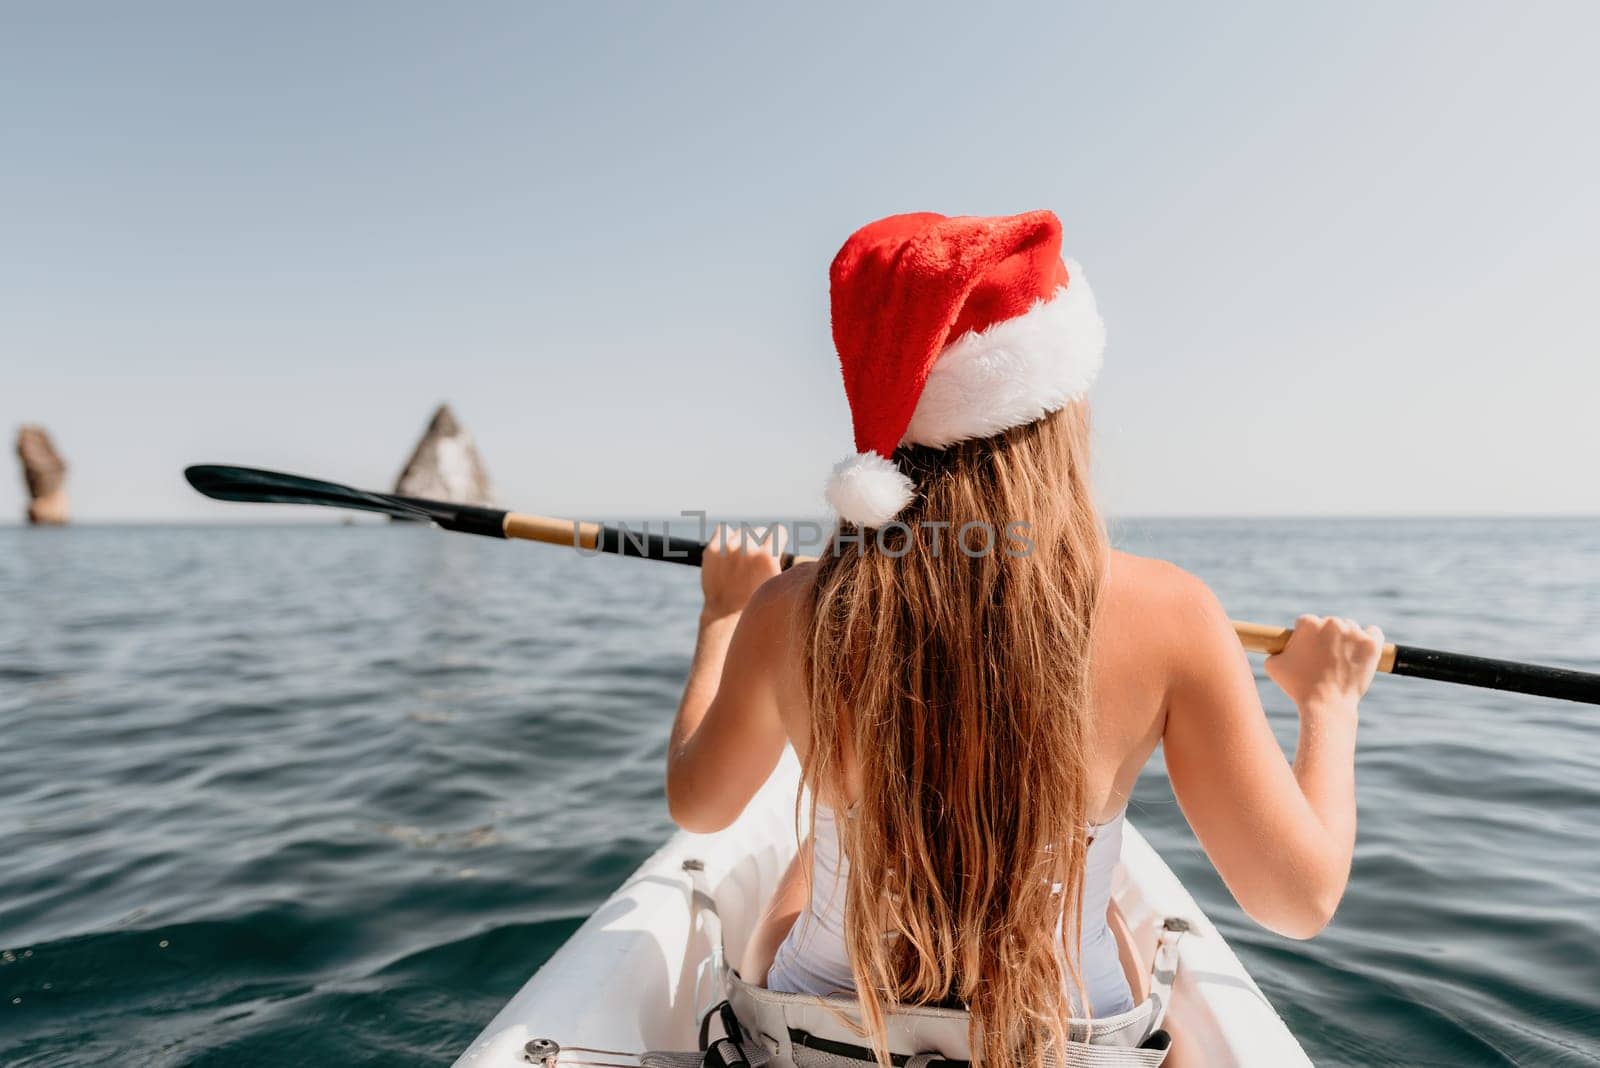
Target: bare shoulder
[[1153, 584], [1170, 607], [786, 590], [777, 602]]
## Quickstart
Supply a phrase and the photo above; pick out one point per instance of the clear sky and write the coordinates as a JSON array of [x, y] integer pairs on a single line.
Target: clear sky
[[1348, 254]]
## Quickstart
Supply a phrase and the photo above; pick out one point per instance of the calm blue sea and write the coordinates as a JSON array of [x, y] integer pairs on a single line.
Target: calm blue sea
[[325, 795]]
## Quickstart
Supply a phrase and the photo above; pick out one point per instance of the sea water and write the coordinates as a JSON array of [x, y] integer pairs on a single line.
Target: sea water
[[325, 795]]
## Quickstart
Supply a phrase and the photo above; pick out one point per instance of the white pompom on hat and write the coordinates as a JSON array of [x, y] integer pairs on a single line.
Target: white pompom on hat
[[868, 489], [950, 329]]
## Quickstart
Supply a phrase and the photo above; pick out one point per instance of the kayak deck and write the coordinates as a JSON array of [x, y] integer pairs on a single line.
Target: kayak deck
[[626, 981]]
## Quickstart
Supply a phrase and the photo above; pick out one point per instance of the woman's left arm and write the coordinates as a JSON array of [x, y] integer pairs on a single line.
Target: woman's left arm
[[729, 735]]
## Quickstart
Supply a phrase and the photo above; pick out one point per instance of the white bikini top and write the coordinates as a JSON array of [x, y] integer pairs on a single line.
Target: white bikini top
[[813, 958]]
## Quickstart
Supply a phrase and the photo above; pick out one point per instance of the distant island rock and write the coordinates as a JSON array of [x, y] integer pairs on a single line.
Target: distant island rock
[[46, 475], [445, 466]]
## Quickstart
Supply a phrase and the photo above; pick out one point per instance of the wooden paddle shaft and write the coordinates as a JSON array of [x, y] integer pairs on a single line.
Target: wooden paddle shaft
[[1261, 638], [568, 532]]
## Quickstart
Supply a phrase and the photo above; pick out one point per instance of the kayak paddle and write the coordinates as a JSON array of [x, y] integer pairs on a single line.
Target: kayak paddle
[[251, 484]]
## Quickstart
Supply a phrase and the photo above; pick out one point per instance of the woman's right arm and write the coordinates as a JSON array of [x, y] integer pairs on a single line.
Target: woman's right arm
[[1280, 836]]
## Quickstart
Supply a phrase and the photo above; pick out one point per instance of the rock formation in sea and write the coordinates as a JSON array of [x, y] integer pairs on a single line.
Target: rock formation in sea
[[46, 475], [445, 465]]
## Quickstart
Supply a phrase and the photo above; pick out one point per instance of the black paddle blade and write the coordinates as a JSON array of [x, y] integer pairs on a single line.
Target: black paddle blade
[[252, 484]]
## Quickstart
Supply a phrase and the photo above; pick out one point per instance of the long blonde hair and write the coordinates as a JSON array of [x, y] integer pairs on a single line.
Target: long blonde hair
[[957, 682]]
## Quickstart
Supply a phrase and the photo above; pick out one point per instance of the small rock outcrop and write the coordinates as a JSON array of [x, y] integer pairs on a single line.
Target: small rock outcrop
[[46, 475], [445, 466]]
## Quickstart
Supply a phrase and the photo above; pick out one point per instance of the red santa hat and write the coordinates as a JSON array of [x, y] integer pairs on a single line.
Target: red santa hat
[[950, 329]]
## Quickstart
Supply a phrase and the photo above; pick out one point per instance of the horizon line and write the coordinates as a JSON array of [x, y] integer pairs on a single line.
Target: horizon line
[[356, 519]]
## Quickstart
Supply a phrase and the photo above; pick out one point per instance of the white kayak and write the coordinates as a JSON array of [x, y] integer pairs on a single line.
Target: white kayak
[[625, 982]]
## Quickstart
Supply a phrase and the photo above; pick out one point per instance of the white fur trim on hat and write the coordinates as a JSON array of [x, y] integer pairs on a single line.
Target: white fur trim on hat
[[868, 490], [1015, 372]]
